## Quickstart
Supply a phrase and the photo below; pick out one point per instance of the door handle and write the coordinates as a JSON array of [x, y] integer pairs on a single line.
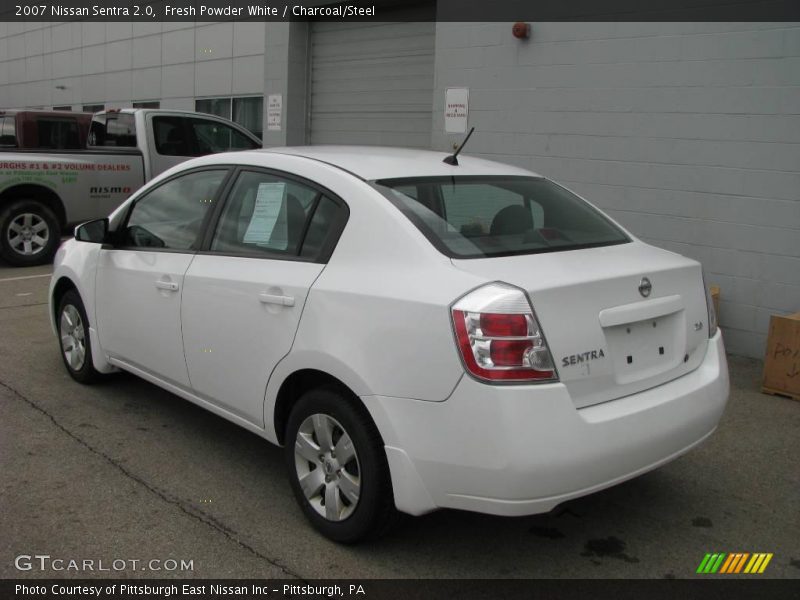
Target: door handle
[[265, 298], [167, 285]]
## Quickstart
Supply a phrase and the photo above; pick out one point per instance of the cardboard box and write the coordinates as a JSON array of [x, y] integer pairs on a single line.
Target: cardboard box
[[782, 363], [714, 289]]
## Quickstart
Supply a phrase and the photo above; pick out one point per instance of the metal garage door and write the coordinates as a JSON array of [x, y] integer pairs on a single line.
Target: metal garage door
[[372, 83]]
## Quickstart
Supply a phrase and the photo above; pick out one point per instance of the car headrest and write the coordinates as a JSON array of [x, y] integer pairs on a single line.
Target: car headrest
[[511, 220]]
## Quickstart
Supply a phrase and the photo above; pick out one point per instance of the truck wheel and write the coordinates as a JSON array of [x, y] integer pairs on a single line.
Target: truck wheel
[[29, 233], [337, 467]]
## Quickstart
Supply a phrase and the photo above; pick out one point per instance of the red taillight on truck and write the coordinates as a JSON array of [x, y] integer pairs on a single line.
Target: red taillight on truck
[[499, 337]]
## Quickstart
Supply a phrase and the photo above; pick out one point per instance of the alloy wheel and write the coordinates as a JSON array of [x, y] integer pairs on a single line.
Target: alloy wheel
[[73, 341], [327, 467], [28, 234]]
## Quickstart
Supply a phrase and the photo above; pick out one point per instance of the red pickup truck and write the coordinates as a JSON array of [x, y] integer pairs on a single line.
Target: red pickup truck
[[44, 129]]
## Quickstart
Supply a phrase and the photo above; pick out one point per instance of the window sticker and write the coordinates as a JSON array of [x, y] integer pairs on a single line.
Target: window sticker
[[265, 229]]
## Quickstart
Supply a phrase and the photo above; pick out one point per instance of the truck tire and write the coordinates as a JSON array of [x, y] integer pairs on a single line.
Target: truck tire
[[29, 233]]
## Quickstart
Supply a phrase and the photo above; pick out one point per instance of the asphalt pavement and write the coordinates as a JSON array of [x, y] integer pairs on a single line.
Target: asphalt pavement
[[124, 471]]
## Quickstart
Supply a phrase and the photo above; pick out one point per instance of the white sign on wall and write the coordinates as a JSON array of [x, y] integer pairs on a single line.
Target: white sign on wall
[[274, 112], [456, 110]]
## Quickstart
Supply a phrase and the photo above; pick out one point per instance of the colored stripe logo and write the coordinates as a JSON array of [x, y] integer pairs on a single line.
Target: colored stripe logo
[[734, 562]]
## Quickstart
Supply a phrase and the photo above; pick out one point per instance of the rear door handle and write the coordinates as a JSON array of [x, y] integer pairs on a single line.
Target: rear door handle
[[167, 285], [265, 298]]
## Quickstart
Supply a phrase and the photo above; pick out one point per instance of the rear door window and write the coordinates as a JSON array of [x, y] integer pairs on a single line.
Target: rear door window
[[475, 217], [170, 136], [319, 235], [272, 216]]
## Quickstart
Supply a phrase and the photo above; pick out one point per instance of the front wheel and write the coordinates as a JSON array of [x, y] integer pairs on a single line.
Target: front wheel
[[73, 337], [337, 466], [30, 233]]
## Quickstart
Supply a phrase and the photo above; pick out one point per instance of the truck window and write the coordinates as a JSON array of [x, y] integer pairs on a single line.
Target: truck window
[[213, 136], [8, 133], [170, 138], [113, 129], [190, 136], [61, 134]]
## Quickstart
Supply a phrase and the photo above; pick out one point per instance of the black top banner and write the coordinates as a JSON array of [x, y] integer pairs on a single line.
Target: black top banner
[[395, 10]]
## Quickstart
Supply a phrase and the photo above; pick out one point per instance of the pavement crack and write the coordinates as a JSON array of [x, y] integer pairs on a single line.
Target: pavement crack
[[199, 516]]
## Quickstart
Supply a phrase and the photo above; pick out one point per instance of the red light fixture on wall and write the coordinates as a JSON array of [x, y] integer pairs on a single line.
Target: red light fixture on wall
[[521, 30]]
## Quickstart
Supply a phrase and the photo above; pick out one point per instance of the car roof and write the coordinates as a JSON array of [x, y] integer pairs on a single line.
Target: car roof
[[378, 162]]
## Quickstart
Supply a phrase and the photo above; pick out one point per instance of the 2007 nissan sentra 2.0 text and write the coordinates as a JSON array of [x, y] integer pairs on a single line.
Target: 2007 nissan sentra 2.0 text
[[416, 334]]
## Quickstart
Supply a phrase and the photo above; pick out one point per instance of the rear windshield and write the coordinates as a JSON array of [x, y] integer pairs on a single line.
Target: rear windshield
[[113, 129], [476, 217]]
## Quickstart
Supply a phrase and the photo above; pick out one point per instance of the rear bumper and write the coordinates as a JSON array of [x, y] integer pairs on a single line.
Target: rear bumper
[[518, 450]]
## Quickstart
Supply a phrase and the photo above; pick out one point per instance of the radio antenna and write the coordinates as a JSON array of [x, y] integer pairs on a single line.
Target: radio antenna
[[453, 158]]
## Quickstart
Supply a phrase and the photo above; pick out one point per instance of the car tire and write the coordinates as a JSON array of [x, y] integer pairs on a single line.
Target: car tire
[[29, 233], [325, 487], [74, 339]]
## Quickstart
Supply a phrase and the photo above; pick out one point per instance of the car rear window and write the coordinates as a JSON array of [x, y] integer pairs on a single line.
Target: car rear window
[[477, 217]]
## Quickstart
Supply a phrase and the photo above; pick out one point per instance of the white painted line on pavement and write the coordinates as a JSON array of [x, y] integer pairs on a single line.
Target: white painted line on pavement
[[25, 277]]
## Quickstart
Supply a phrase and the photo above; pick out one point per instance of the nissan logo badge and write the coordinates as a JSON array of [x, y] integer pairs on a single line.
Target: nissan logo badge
[[645, 287]]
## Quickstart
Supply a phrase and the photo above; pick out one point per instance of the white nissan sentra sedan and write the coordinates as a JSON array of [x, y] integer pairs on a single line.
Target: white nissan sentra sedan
[[416, 334]]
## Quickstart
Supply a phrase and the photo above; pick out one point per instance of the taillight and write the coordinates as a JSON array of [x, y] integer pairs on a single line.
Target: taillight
[[499, 337]]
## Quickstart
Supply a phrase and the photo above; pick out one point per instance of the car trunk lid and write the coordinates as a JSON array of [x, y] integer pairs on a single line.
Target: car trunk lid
[[609, 339]]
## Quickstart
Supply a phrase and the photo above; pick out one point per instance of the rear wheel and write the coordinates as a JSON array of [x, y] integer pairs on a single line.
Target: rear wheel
[[337, 466], [73, 337], [29, 233]]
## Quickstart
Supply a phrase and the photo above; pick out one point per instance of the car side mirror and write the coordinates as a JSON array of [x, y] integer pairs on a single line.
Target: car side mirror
[[95, 232]]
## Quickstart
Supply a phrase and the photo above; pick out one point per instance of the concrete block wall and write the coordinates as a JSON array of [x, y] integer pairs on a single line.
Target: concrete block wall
[[55, 64], [687, 133]]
